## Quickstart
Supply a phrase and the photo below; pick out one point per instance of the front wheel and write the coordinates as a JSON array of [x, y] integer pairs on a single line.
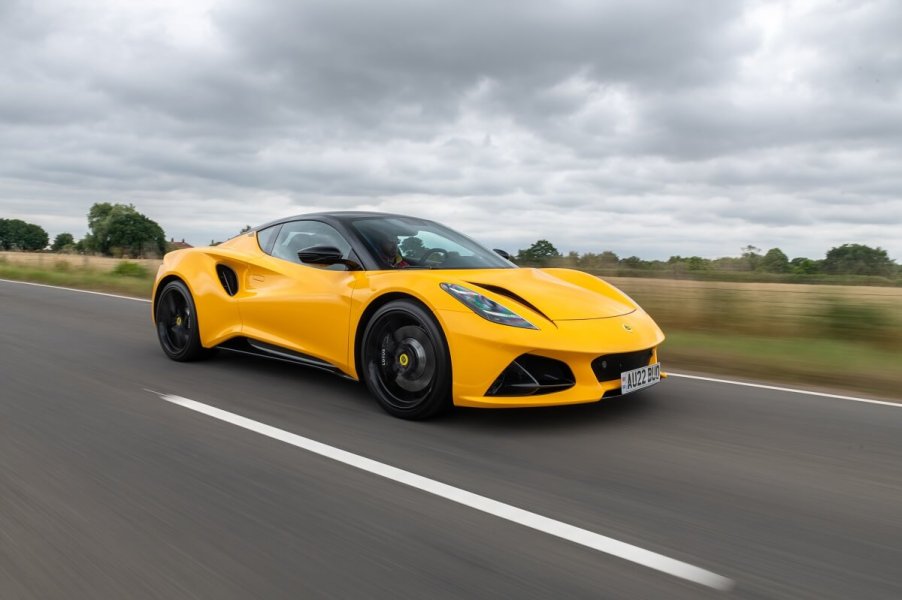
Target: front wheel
[[405, 361], [176, 318]]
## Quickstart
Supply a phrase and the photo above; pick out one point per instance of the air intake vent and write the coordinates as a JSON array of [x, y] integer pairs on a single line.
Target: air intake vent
[[531, 375], [610, 366], [228, 279]]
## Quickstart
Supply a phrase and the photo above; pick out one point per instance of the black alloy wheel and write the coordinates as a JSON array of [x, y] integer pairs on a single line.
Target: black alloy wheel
[[405, 361], [176, 318]]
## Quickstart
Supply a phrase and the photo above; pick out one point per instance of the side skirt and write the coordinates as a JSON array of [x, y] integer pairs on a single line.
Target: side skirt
[[243, 345]]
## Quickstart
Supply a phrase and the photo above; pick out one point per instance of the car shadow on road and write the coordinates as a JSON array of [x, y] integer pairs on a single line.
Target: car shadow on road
[[579, 416], [576, 416]]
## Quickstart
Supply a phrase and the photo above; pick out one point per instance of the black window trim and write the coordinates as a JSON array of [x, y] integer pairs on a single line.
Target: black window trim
[[272, 242], [352, 250]]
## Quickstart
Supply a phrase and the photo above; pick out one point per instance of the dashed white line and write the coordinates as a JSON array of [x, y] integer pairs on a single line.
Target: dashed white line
[[57, 287], [559, 529], [785, 389]]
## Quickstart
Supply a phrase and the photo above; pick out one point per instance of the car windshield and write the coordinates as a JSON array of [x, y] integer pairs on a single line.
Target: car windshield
[[409, 243]]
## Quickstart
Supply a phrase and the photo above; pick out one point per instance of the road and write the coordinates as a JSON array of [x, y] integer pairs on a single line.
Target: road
[[109, 491]]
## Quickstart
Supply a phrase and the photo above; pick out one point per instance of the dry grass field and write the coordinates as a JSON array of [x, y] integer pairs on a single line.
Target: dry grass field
[[102, 264], [782, 310], [133, 278]]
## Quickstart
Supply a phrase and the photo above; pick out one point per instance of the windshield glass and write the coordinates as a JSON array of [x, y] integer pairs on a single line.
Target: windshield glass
[[408, 243]]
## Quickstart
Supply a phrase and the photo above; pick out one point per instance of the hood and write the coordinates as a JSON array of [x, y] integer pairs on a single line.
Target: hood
[[558, 294]]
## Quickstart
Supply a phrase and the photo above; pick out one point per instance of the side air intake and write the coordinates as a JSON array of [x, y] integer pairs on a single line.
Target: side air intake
[[228, 279]]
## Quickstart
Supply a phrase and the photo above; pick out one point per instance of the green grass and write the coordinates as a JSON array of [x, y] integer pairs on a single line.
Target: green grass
[[824, 362], [65, 275], [130, 269]]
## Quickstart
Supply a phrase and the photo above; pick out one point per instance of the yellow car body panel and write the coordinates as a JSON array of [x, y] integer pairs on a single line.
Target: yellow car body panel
[[479, 359], [320, 312]]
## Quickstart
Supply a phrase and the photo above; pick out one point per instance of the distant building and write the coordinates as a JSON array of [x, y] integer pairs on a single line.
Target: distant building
[[174, 245]]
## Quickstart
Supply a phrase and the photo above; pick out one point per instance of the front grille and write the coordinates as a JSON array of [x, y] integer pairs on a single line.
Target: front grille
[[610, 366]]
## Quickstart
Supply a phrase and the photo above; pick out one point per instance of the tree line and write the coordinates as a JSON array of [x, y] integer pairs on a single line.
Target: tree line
[[847, 259], [117, 230], [120, 230]]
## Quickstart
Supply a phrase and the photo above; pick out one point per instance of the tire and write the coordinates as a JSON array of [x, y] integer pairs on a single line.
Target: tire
[[405, 361], [176, 317]]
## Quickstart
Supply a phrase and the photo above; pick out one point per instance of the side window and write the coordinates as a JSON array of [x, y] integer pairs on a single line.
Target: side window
[[299, 235], [266, 237]]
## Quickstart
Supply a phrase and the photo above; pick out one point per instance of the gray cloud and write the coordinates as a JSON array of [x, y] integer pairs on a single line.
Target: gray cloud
[[649, 128]]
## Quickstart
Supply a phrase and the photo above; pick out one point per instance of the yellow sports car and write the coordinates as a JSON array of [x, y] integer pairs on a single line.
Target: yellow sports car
[[425, 316]]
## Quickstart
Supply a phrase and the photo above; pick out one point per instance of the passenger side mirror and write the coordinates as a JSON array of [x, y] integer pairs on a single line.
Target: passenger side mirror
[[326, 255], [503, 254]]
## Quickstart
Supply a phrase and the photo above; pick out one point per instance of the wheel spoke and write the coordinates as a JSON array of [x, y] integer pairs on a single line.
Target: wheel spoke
[[175, 313], [170, 304], [389, 343], [181, 334]]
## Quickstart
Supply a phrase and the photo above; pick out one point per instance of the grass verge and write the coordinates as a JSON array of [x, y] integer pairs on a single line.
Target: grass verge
[[84, 279], [825, 363]]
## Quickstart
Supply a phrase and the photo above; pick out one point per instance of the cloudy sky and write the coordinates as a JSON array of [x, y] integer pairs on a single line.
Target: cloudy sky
[[646, 127]]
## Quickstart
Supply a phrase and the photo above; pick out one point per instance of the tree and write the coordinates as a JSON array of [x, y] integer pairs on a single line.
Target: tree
[[121, 230], [775, 261], [633, 262], [62, 242], [804, 266], [751, 255], [605, 260], [16, 234], [697, 263], [539, 253], [858, 259]]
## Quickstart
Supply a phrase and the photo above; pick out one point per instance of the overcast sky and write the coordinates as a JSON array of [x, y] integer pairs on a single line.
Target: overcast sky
[[646, 127]]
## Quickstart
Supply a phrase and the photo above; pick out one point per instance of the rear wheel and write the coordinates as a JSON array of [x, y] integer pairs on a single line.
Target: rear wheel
[[176, 318], [405, 361]]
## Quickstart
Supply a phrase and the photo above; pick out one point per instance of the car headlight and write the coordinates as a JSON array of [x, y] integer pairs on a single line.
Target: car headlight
[[486, 307]]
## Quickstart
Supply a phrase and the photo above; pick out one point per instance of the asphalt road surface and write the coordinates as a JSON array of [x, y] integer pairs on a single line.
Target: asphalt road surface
[[109, 491]]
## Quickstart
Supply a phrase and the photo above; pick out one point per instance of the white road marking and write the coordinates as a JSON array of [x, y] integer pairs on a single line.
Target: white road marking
[[57, 287], [526, 518], [785, 389], [669, 373]]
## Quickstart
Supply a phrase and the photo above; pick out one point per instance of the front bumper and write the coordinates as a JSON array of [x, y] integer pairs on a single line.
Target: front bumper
[[481, 350]]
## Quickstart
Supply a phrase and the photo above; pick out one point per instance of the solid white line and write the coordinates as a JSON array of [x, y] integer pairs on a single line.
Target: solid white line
[[785, 389], [535, 521], [68, 289]]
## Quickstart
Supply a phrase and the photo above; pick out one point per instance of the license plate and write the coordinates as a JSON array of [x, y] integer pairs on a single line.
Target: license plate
[[630, 381]]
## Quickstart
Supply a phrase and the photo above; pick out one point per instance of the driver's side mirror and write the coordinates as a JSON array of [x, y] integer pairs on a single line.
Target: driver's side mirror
[[503, 254], [326, 255]]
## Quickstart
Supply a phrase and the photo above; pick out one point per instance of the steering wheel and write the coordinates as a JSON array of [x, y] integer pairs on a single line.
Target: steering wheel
[[440, 251]]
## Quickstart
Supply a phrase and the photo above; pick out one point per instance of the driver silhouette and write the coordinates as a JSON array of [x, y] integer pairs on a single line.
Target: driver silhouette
[[389, 252]]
